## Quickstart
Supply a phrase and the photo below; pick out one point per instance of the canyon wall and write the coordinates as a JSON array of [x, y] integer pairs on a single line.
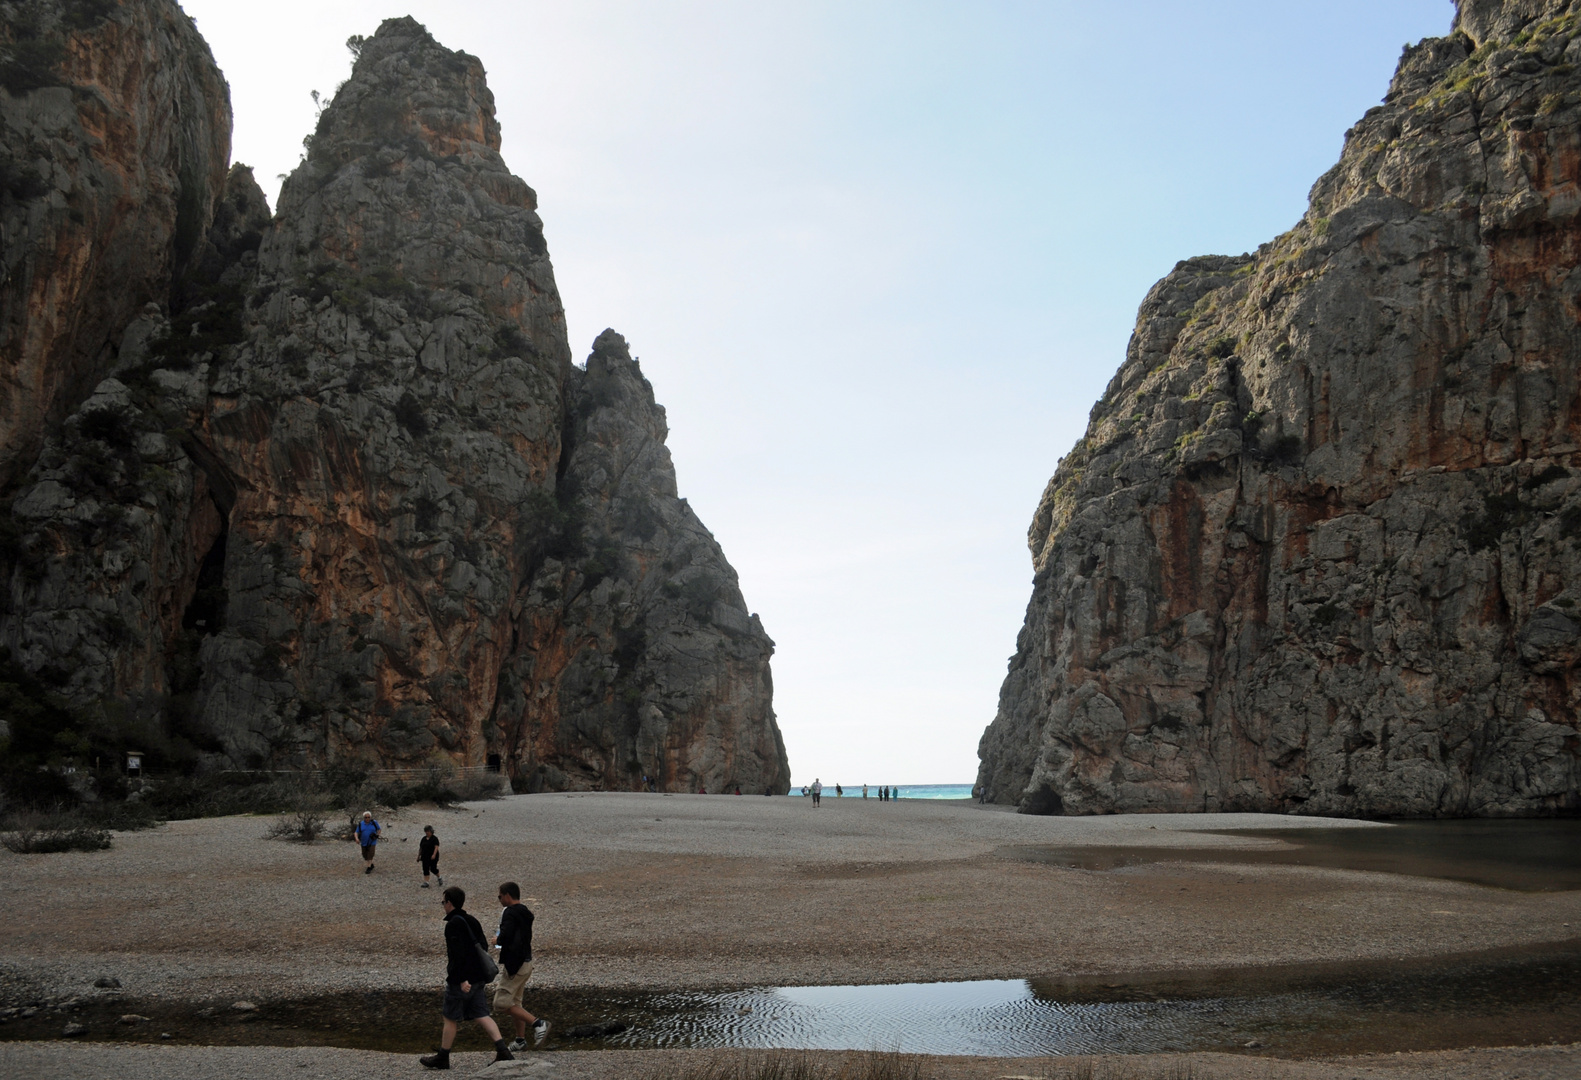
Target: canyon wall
[[1319, 550], [341, 498]]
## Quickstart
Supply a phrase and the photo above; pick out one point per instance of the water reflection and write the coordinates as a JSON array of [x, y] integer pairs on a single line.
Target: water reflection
[[1485, 1000]]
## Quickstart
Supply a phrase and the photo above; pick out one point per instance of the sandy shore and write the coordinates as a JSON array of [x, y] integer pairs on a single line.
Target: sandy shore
[[709, 891], [706, 891], [41, 1060]]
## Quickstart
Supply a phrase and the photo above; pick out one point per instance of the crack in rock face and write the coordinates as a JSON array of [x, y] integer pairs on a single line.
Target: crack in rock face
[[1319, 548], [342, 499]]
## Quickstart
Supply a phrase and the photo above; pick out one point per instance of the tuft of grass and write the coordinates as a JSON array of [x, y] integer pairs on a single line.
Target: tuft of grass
[[48, 834], [794, 1065]]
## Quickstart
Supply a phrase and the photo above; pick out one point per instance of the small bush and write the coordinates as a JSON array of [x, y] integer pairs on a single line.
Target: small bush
[[301, 826], [36, 834]]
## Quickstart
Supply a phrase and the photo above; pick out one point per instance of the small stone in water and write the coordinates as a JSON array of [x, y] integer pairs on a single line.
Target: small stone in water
[[73, 1030], [244, 1006], [107, 982]]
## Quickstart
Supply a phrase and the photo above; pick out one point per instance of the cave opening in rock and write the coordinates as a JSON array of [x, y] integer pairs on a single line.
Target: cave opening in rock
[[204, 616]]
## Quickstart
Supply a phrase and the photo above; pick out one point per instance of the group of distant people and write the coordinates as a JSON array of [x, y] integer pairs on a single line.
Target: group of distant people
[[475, 984], [815, 789]]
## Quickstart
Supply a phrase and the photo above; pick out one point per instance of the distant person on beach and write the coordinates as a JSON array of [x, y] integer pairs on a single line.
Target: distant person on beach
[[515, 942], [864, 791], [465, 981], [738, 789], [368, 836], [838, 791], [428, 855], [883, 794], [816, 789]]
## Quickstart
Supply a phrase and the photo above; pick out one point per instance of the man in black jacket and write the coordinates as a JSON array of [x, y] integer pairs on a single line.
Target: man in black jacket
[[465, 979], [515, 942]]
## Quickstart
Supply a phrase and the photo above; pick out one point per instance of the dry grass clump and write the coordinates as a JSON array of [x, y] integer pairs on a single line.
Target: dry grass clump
[[43, 834], [796, 1065], [303, 825], [804, 1065], [1110, 1069]]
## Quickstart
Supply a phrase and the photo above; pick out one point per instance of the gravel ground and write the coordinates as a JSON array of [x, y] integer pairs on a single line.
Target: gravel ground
[[712, 891], [39, 1061]]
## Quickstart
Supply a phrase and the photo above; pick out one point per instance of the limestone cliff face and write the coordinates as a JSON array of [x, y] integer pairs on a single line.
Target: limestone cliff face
[[1320, 547], [115, 126], [349, 502]]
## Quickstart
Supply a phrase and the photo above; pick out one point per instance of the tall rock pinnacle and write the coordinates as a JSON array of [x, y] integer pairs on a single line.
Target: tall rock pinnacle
[[1319, 549], [392, 523]]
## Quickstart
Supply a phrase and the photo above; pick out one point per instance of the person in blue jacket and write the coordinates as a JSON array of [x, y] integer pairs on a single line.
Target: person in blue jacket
[[368, 836]]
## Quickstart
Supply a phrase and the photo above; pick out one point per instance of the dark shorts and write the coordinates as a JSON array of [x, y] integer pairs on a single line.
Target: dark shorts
[[430, 866], [472, 1006], [367, 851]]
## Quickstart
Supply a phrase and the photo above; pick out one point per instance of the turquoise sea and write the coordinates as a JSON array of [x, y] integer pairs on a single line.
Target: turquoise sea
[[905, 791]]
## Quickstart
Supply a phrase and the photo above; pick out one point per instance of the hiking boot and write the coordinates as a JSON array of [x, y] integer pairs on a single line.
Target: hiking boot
[[368, 869], [502, 1052], [436, 1061], [518, 1045]]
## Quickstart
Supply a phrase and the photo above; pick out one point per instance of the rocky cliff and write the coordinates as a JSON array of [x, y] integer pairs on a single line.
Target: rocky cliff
[[345, 500], [1319, 549]]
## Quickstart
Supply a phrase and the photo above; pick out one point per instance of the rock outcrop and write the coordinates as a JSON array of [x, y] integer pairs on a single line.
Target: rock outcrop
[[1319, 549], [347, 502], [115, 130]]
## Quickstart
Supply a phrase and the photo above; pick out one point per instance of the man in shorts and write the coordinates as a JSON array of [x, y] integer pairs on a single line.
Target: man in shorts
[[368, 836], [465, 981], [515, 942]]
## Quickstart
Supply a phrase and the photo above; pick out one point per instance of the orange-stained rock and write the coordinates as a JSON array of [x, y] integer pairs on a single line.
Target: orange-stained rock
[[1319, 549], [350, 504], [115, 142]]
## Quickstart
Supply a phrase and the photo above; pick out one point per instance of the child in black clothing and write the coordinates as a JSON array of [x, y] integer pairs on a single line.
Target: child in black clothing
[[428, 855]]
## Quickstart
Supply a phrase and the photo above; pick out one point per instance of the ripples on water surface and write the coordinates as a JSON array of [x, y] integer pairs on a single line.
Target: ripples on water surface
[[1494, 999]]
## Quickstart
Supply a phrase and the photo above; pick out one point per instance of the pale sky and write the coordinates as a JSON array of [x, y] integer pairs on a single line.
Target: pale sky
[[878, 260]]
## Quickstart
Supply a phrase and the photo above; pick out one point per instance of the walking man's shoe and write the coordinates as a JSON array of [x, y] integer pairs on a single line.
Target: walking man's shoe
[[441, 1060], [518, 1045], [503, 1052], [540, 1028], [369, 870]]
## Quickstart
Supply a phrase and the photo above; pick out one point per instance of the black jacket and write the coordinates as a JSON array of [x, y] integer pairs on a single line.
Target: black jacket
[[515, 937], [462, 936]]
